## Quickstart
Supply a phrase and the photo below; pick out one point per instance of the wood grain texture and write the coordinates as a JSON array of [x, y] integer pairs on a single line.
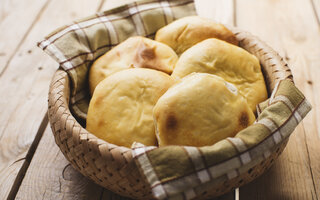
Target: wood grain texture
[[293, 31], [220, 11], [15, 16], [109, 4], [50, 176], [24, 88], [316, 8]]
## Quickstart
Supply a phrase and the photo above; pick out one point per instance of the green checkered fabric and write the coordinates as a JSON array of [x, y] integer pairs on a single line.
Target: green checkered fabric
[[77, 45], [173, 172]]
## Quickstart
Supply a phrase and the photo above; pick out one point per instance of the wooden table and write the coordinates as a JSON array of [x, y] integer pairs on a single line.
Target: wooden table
[[32, 166]]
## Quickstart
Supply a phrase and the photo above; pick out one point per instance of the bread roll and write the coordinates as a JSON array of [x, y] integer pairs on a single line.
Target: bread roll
[[135, 52], [228, 61], [183, 33], [120, 111], [200, 110]]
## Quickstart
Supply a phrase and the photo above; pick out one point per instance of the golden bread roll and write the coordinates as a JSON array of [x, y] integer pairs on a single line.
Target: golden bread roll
[[201, 109], [135, 52], [183, 33], [120, 111], [228, 61]]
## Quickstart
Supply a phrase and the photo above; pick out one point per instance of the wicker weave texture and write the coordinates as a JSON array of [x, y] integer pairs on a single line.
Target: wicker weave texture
[[106, 164], [112, 166]]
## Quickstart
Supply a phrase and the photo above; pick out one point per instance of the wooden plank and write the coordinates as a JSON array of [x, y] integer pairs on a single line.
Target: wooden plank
[[220, 11], [15, 16], [109, 4], [50, 176], [24, 88], [292, 30], [316, 8], [288, 178]]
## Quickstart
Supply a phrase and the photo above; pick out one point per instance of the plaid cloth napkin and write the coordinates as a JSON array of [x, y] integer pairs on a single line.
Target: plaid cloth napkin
[[173, 171], [77, 45]]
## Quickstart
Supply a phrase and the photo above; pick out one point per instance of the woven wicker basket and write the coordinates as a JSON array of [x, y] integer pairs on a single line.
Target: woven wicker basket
[[112, 166]]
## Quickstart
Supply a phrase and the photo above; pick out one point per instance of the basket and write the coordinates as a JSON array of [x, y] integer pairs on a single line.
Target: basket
[[113, 166]]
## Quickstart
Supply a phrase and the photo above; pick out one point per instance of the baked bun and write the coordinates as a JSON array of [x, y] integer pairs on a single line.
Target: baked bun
[[183, 33], [228, 61], [201, 109], [120, 111], [135, 52]]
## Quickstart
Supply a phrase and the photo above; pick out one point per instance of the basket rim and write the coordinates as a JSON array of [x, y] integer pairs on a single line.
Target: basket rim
[[268, 54]]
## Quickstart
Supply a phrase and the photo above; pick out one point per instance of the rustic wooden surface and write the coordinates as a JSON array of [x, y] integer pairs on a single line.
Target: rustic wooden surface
[[31, 165]]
